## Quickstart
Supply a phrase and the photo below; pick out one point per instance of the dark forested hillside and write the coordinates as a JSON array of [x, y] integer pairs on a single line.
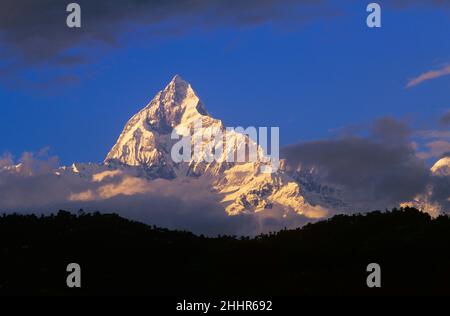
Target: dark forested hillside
[[118, 256]]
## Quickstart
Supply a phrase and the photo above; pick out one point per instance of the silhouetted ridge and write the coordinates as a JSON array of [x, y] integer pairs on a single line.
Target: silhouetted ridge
[[119, 256]]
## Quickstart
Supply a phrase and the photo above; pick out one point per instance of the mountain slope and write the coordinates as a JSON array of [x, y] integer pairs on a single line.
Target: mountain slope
[[242, 186]]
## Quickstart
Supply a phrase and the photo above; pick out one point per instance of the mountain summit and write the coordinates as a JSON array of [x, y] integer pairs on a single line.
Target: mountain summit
[[145, 138], [146, 143]]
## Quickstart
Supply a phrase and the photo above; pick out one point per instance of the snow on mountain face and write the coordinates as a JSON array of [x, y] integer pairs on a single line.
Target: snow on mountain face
[[145, 140], [424, 202], [316, 191], [441, 167], [146, 143]]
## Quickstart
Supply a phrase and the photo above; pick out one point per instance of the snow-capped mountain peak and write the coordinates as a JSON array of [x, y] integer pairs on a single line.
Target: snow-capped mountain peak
[[178, 98], [146, 143], [145, 139], [177, 103]]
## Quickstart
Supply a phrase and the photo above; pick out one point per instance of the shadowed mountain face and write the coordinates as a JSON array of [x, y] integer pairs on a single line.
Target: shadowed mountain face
[[118, 256]]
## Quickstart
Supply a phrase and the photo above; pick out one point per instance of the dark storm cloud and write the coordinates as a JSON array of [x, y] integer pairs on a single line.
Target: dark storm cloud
[[440, 192], [36, 31], [380, 167], [390, 130], [444, 120]]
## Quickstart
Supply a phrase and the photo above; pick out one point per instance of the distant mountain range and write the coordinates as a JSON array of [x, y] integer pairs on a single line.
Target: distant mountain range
[[143, 153], [143, 149]]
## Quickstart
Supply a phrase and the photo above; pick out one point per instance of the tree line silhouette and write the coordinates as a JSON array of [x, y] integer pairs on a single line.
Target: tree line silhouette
[[120, 256]]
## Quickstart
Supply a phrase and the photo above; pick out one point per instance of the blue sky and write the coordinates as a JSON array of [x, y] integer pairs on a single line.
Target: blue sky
[[310, 78]]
